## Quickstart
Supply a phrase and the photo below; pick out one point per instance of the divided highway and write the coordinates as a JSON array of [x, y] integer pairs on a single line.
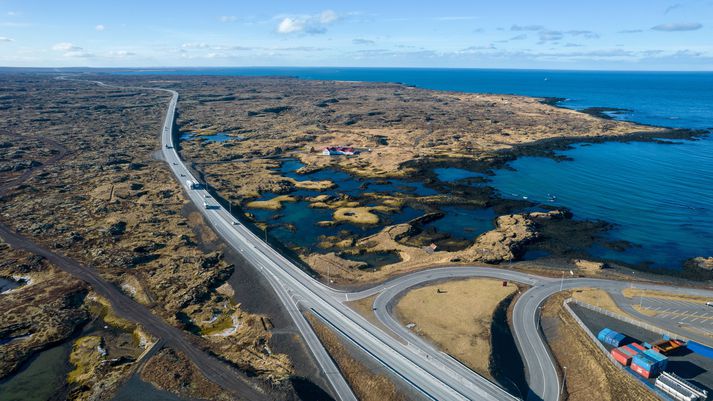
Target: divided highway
[[429, 376], [429, 371]]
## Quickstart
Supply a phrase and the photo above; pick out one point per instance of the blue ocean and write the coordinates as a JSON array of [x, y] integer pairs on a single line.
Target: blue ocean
[[658, 196]]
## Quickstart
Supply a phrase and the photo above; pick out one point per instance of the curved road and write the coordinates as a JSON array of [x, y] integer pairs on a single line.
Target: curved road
[[544, 383], [432, 373]]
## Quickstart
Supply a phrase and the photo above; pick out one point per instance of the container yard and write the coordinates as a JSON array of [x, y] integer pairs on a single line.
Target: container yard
[[682, 371]]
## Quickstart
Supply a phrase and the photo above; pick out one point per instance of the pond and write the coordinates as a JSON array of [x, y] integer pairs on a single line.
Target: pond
[[41, 379], [218, 137], [7, 284]]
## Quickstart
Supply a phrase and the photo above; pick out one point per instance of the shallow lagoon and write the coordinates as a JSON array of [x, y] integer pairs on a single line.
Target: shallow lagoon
[[296, 223]]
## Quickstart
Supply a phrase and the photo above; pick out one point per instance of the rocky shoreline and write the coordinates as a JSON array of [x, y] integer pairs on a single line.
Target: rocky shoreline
[[388, 156]]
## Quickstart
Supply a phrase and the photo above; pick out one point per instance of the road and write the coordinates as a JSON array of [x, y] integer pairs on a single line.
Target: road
[[431, 372], [427, 370], [544, 383], [298, 290], [221, 373]]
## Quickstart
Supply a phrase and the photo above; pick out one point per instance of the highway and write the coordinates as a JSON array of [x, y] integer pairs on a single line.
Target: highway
[[427, 370], [296, 290]]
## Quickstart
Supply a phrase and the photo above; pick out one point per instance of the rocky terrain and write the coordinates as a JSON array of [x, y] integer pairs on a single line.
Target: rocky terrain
[[78, 175], [400, 132], [47, 309], [393, 124]]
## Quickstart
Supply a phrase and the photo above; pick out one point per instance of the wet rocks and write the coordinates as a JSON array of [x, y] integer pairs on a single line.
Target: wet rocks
[[701, 263], [504, 242], [589, 265]]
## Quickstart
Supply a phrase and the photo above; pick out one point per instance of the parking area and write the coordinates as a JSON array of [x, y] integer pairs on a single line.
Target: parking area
[[694, 314], [691, 366]]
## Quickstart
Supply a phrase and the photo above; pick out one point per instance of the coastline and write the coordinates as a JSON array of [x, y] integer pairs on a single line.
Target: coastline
[[420, 167]]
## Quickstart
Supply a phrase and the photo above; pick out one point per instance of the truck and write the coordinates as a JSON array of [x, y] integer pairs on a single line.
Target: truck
[[193, 184]]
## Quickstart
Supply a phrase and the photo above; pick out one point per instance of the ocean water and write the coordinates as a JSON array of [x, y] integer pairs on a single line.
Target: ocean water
[[659, 196]]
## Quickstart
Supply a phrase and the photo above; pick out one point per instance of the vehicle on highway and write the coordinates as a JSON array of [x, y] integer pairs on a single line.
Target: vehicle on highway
[[709, 303]]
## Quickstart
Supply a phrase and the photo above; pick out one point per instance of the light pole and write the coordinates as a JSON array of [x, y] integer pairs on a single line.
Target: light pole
[[563, 380], [562, 282]]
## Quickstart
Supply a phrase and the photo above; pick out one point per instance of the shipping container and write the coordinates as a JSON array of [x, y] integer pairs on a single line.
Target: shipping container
[[629, 350], [602, 334], [648, 363], [638, 346], [700, 349], [661, 359], [621, 357], [641, 371]]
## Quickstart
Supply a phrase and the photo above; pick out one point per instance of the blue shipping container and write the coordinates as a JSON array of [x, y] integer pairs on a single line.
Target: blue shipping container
[[603, 334], [700, 349], [658, 357]]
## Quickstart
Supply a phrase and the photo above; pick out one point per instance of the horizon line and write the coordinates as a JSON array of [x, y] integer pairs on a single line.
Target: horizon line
[[198, 67]]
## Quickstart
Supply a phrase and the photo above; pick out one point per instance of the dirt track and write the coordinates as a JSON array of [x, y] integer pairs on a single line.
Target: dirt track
[[217, 371]]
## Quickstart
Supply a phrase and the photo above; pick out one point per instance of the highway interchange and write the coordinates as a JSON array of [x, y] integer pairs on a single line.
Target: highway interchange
[[427, 370]]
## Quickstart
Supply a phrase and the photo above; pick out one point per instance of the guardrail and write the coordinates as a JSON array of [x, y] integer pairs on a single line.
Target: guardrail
[[601, 347], [626, 319]]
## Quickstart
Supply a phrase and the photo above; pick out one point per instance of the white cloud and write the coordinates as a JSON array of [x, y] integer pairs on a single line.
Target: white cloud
[[310, 24], [227, 18], [678, 27], [12, 13], [196, 46], [121, 53], [100, 27], [65, 47], [70, 50], [6, 39], [290, 25], [328, 16], [78, 54]]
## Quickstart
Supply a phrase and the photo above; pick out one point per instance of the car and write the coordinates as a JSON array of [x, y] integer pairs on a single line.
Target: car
[[235, 223], [175, 164], [183, 175], [709, 303]]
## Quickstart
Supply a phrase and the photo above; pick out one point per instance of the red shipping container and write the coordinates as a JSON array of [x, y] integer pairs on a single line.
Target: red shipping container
[[628, 351], [621, 357], [638, 346], [638, 369]]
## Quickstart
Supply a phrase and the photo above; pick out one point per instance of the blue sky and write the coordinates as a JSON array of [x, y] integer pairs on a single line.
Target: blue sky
[[604, 34]]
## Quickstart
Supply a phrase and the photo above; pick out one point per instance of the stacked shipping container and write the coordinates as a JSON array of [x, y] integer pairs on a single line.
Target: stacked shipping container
[[624, 354], [649, 363], [613, 338]]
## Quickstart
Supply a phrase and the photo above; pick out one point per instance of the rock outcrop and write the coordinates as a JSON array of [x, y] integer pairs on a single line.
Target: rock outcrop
[[702, 262], [504, 242]]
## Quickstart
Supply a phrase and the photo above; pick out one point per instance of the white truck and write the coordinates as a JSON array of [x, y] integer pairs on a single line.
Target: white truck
[[192, 184]]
